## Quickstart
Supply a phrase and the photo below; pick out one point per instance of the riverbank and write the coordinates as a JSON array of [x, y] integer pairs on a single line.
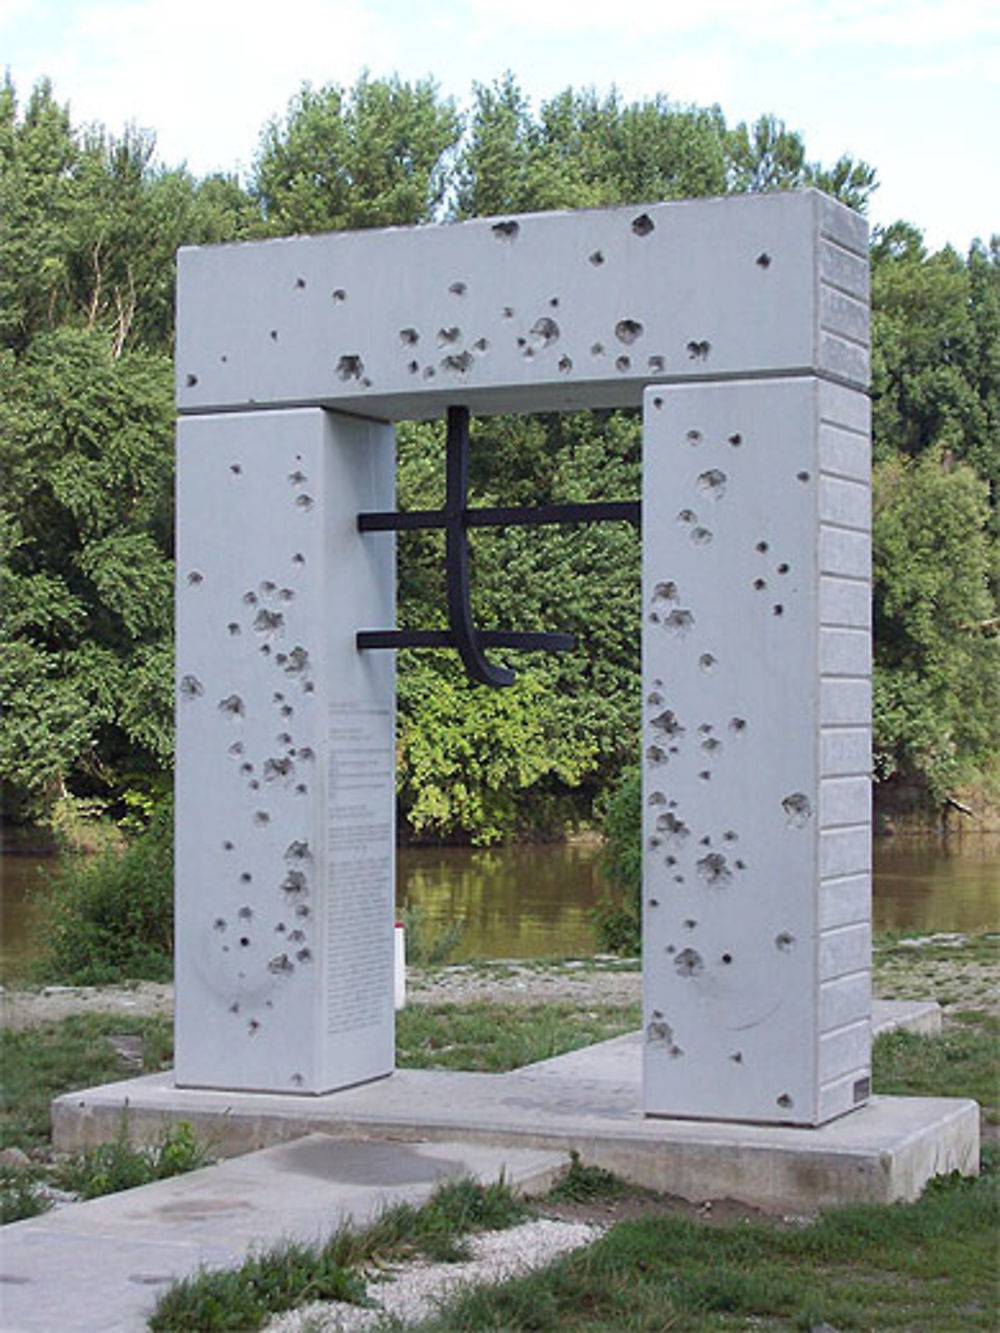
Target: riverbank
[[959, 971]]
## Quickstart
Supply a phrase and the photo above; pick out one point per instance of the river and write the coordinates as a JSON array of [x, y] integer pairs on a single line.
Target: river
[[533, 901]]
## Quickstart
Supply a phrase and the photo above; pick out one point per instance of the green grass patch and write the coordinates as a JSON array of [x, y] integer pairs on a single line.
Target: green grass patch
[[492, 1038], [928, 1265], [40, 1063], [279, 1279], [120, 1165], [961, 1062]]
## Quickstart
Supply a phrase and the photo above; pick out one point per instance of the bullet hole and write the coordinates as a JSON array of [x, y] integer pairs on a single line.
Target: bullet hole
[[191, 381], [300, 283], [235, 468], [763, 260], [350, 367], [413, 367], [802, 476], [737, 1057], [783, 568], [730, 836], [481, 344], [191, 688], [458, 289], [671, 805], [308, 687], [759, 585], [665, 591], [280, 928], [306, 752], [657, 403], [667, 723], [727, 958], [297, 1080], [507, 312], [777, 609], [656, 364], [301, 789], [654, 902], [447, 336], [701, 536], [657, 1030], [737, 724], [231, 706], [267, 586], [627, 330], [657, 684], [762, 546], [294, 882], [244, 942], [655, 755], [429, 372], [690, 923], [234, 1008], [278, 768], [194, 578], [523, 342], [705, 842], [250, 598], [714, 870], [565, 364], [219, 923], [622, 363], [236, 748], [297, 662], [643, 225], [740, 865], [297, 851], [296, 936], [274, 335], [693, 437], [657, 798], [673, 749], [506, 231], [785, 1102], [283, 738], [713, 482], [298, 558], [254, 785], [736, 440], [705, 775], [304, 502], [268, 622], [261, 817], [671, 949], [459, 364], [698, 351], [673, 827], [679, 622], [227, 846], [253, 1027], [303, 911], [689, 963], [711, 745], [280, 965], [297, 478], [409, 337], [797, 808], [654, 699], [234, 628], [338, 296], [784, 941], [596, 349], [304, 955], [705, 729], [596, 257], [686, 516], [246, 768], [245, 913], [545, 332], [670, 860]]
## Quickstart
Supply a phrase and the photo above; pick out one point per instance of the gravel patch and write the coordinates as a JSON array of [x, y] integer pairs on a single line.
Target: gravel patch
[[413, 1291]]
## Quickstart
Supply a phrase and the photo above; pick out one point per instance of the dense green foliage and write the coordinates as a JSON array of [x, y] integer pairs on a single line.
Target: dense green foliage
[[88, 227]]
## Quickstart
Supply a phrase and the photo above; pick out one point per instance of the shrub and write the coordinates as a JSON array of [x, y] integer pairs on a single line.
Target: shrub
[[618, 916], [111, 917]]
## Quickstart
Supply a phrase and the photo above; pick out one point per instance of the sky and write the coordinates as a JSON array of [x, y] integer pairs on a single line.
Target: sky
[[910, 86]]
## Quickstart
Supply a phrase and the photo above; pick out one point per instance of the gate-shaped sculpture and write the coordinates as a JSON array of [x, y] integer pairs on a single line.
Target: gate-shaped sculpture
[[741, 327]]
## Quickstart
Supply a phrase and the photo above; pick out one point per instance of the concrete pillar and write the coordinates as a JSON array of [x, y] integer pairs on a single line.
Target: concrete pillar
[[285, 753], [756, 705]]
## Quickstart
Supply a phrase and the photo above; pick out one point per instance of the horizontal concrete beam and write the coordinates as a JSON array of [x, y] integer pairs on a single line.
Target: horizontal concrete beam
[[546, 311]]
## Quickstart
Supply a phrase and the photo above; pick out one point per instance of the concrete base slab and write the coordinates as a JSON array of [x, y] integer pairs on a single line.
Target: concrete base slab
[[100, 1265], [588, 1101]]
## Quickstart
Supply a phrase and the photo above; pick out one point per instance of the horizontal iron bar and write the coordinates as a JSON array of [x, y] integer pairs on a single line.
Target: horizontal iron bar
[[443, 638], [623, 511]]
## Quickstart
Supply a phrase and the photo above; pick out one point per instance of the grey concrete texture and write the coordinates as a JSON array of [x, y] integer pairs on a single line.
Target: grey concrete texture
[[588, 1101], [546, 311], [98, 1267]]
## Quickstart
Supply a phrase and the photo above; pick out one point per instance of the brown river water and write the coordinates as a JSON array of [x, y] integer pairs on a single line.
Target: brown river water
[[534, 901]]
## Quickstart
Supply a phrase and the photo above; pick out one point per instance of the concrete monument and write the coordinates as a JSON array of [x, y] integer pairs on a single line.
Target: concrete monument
[[741, 325]]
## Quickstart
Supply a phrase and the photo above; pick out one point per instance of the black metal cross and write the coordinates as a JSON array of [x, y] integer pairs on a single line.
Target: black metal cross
[[456, 518]]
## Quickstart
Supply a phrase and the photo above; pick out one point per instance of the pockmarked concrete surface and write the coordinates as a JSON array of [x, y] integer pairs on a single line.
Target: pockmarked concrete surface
[[98, 1267]]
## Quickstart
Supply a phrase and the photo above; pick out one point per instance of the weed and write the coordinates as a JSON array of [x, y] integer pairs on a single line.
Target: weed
[[583, 1184], [21, 1195], [119, 1165], [959, 1062], [424, 948]]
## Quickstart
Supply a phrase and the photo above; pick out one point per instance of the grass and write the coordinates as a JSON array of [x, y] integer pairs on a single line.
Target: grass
[[492, 1038], [962, 1061], [923, 1266], [278, 1279]]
